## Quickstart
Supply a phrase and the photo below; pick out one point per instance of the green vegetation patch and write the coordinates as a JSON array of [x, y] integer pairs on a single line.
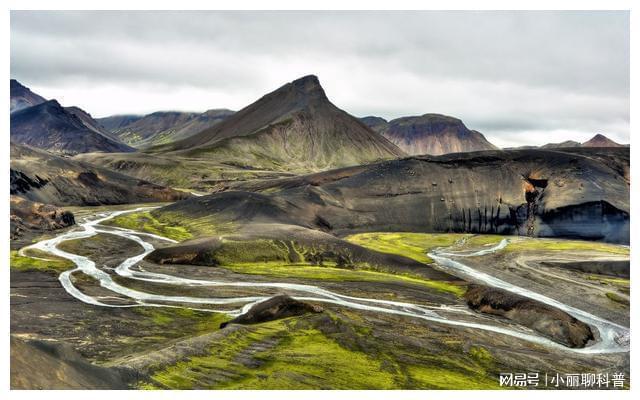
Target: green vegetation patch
[[314, 353], [146, 222], [412, 245], [192, 321], [617, 298], [275, 356], [305, 271], [442, 378], [536, 244], [45, 262]]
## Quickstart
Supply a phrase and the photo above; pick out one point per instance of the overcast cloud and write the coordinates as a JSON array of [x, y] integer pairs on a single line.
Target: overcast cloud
[[518, 77]]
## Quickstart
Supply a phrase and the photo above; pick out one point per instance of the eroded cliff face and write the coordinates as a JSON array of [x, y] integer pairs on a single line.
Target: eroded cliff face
[[520, 192]]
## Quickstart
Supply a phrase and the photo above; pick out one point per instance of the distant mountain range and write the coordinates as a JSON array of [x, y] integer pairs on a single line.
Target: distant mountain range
[[292, 129], [433, 134], [596, 141], [162, 126]]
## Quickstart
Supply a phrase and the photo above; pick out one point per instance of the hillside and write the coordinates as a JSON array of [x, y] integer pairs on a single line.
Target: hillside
[[143, 129], [542, 193], [42, 177]]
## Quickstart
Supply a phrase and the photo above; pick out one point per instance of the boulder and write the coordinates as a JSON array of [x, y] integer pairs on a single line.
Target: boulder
[[277, 307]]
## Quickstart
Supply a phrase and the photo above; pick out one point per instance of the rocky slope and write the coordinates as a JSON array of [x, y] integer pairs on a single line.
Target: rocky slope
[[295, 127], [553, 323], [433, 134], [583, 193], [27, 218], [91, 124], [22, 97], [41, 364], [42, 177], [51, 127]]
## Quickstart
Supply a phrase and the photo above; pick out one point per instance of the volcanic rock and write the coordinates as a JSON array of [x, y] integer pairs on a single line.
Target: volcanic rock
[[277, 307]]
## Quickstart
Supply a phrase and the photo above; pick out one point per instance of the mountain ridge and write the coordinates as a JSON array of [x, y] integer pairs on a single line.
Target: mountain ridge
[[52, 127]]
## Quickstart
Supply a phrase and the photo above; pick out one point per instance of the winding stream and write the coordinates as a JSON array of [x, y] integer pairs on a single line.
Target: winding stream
[[613, 338]]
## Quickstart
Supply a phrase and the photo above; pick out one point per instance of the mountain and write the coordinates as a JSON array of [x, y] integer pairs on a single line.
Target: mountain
[[294, 128], [580, 193], [115, 123], [161, 127], [145, 128], [378, 124], [22, 97], [433, 134], [566, 143], [601, 141], [91, 124], [42, 177], [51, 127]]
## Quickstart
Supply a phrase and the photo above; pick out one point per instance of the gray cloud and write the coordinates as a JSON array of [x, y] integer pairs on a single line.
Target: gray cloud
[[520, 77]]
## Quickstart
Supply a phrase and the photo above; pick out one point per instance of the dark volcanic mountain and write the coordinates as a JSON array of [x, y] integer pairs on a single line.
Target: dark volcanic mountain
[[39, 176], [582, 193], [601, 141], [51, 127], [295, 127], [22, 97], [432, 134], [90, 123]]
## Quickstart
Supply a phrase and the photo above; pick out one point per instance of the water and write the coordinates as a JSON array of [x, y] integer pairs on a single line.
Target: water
[[613, 338]]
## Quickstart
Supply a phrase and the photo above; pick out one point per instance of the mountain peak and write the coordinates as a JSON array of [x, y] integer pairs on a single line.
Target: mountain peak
[[600, 140], [434, 134], [22, 97], [307, 87]]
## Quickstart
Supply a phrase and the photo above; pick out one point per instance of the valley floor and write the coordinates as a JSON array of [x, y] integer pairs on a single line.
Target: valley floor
[[163, 342]]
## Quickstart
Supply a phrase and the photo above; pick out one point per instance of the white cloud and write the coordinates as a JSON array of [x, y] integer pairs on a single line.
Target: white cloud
[[519, 77]]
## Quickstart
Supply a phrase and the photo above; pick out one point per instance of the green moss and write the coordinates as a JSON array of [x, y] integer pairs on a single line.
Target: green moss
[[443, 378], [294, 354], [192, 321], [524, 244], [305, 271], [620, 282], [481, 354], [144, 221], [412, 245], [617, 298], [283, 358], [52, 264], [483, 240]]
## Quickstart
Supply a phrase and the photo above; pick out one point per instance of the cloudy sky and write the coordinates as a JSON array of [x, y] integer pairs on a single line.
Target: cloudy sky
[[519, 77]]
